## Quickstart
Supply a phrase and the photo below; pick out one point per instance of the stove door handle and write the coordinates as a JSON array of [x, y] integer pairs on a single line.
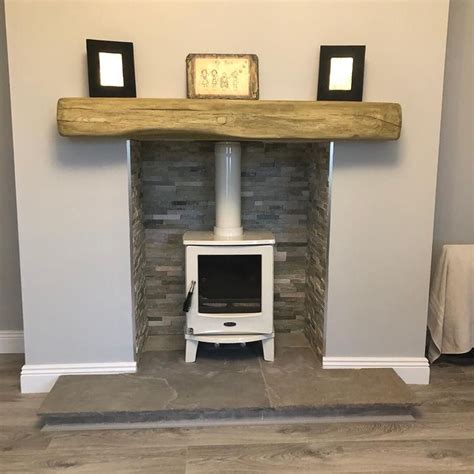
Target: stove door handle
[[189, 297]]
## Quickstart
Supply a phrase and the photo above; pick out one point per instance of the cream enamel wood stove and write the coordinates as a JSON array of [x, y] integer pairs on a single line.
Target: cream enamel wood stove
[[233, 295], [230, 271]]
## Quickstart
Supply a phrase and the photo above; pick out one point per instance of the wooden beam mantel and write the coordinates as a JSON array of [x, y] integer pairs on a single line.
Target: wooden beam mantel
[[215, 119]]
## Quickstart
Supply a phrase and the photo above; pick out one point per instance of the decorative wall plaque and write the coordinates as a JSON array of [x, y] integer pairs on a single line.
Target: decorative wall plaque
[[222, 76]]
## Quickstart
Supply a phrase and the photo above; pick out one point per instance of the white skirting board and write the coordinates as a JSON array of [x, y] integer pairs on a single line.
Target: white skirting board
[[40, 378], [11, 342], [412, 370]]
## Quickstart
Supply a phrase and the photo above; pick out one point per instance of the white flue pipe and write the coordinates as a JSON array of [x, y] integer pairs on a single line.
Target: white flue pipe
[[228, 222]]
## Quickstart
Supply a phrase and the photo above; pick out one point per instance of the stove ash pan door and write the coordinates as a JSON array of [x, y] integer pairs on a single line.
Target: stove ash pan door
[[234, 289]]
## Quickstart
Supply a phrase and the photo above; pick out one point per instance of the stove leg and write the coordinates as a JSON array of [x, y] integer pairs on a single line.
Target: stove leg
[[268, 346], [191, 350]]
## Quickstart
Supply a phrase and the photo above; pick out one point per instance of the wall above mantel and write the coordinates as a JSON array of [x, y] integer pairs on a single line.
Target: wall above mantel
[[211, 119]]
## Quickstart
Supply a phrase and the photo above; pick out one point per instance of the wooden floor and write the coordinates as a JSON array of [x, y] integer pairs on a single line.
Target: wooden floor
[[441, 440]]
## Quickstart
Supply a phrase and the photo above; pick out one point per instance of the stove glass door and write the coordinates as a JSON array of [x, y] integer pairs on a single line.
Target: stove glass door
[[230, 283]]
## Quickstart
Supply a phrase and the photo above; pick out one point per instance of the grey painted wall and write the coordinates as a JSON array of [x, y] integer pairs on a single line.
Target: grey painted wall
[[454, 219], [10, 288], [383, 194], [73, 194]]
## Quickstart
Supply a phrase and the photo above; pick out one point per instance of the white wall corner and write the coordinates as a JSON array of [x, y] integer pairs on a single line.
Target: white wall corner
[[412, 370], [11, 342], [40, 378]]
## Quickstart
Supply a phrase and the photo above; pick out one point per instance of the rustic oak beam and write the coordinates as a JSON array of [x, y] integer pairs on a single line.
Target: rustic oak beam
[[216, 119]]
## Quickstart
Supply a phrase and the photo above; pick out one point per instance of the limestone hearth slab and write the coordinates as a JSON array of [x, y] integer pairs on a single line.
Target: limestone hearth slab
[[168, 342], [224, 384], [298, 379], [230, 358]]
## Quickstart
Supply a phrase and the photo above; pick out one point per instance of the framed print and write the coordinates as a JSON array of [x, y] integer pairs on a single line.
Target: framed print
[[222, 76], [111, 69], [341, 73]]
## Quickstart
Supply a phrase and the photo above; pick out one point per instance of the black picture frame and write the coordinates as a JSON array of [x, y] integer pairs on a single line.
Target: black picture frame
[[94, 47], [329, 52]]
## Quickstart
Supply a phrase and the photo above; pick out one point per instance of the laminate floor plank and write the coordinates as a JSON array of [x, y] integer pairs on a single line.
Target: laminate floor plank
[[269, 434], [23, 439], [10, 362], [157, 460], [19, 413], [447, 398], [398, 456]]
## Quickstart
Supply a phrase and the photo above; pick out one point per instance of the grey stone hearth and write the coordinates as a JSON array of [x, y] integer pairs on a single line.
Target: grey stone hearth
[[284, 190], [229, 383]]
